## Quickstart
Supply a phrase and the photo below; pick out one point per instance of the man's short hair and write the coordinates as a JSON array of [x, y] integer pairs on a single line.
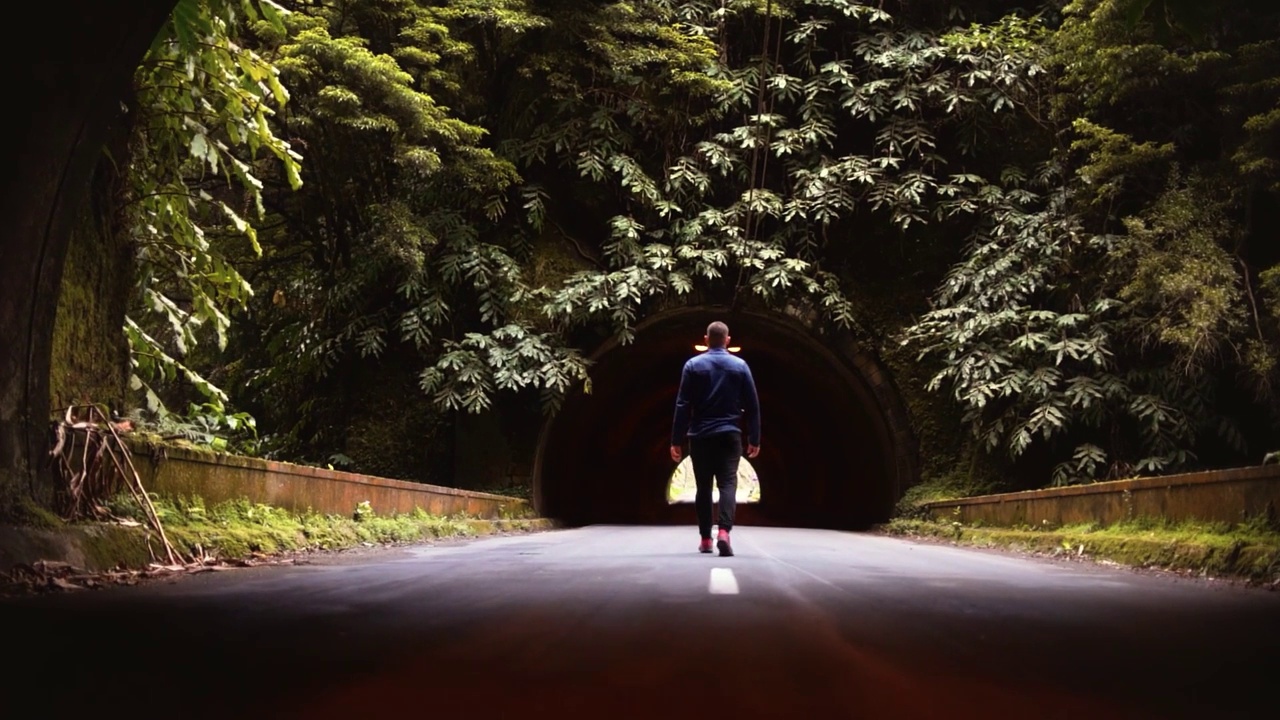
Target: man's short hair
[[717, 334]]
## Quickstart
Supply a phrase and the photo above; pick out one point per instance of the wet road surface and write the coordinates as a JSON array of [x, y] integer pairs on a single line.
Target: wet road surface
[[631, 622]]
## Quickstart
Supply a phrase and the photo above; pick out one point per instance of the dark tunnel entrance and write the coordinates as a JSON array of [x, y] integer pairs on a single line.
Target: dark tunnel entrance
[[836, 450]]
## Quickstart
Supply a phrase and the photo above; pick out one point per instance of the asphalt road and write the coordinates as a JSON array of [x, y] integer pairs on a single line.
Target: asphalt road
[[627, 622]]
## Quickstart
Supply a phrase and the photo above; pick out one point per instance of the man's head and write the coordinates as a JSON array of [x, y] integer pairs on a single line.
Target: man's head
[[717, 335]]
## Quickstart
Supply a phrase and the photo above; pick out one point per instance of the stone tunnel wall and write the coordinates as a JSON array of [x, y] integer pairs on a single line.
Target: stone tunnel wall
[[70, 83], [90, 358]]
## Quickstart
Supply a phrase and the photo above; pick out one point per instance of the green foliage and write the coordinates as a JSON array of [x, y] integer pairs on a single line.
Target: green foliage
[[1099, 316], [1033, 356], [202, 108], [718, 149], [379, 255], [211, 426], [1098, 173], [912, 503], [683, 143], [1174, 270], [470, 371]]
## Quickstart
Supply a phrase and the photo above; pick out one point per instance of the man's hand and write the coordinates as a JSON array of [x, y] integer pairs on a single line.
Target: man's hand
[[752, 450], [676, 453]]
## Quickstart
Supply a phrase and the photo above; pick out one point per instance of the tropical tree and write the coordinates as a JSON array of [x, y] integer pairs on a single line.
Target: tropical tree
[[201, 132], [1123, 322]]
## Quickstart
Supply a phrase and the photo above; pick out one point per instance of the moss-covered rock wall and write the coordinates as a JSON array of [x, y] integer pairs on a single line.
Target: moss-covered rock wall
[[90, 352]]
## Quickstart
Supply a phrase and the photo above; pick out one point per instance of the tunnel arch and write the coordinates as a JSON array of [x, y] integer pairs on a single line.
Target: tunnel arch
[[71, 82], [837, 448]]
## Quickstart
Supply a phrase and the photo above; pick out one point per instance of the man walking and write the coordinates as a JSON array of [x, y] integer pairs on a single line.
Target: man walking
[[716, 391]]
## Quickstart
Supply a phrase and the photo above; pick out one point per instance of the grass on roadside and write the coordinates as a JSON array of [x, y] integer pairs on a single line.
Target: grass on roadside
[[240, 528], [1249, 551]]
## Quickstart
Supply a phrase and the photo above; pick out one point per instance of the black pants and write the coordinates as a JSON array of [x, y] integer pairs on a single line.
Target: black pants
[[716, 456]]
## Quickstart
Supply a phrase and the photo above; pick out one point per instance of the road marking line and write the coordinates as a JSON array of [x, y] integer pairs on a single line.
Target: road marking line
[[723, 582]]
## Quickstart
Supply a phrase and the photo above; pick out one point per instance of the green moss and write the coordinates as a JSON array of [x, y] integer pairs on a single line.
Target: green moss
[[947, 487], [242, 528], [90, 353], [18, 508], [110, 546], [513, 489], [1247, 550], [520, 511], [142, 442]]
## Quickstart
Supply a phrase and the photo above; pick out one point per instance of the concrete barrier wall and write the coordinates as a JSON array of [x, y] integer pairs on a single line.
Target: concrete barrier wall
[[1218, 496], [178, 472]]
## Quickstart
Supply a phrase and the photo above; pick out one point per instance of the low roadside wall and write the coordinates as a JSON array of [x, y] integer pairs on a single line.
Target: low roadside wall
[[1217, 496], [215, 477]]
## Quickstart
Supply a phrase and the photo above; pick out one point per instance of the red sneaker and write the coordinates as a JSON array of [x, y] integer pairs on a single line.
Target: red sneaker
[[705, 545], [722, 543]]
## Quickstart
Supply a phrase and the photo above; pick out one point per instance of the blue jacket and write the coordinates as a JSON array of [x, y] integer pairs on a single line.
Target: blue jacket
[[716, 391]]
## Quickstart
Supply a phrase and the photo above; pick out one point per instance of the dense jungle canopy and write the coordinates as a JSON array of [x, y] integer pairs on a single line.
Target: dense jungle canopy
[[1075, 201]]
